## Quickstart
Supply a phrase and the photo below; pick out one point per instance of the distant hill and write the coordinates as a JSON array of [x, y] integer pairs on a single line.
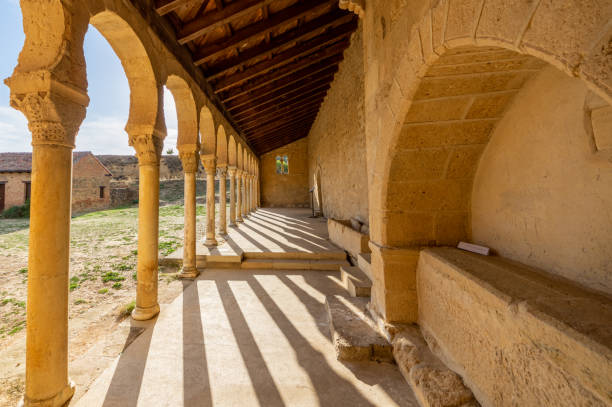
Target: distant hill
[[125, 167]]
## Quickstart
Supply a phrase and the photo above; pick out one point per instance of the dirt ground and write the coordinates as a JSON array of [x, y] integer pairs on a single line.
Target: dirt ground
[[102, 281]]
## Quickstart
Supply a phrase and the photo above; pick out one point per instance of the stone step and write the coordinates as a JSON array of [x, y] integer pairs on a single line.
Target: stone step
[[352, 331], [355, 281], [432, 382], [328, 255], [364, 261], [294, 264]]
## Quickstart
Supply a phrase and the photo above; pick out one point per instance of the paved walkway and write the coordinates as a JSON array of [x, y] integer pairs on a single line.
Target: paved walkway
[[241, 338], [272, 231]]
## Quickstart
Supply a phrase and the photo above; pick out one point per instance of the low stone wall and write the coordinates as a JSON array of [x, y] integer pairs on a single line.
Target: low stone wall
[[517, 336], [342, 234]]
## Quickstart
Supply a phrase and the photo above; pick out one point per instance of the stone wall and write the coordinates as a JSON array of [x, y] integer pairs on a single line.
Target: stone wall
[[14, 189], [286, 190], [336, 142], [542, 195], [125, 167], [88, 177]]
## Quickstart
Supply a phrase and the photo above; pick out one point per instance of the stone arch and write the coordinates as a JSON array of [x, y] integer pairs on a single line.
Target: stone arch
[[208, 146], [146, 111], [245, 160], [222, 154], [186, 111], [446, 32], [231, 151]]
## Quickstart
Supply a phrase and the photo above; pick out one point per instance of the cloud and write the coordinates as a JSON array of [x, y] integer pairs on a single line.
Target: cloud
[[14, 133]]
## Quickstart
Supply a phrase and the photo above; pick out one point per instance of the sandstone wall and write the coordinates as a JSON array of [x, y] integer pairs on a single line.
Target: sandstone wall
[[286, 190], [542, 195], [336, 142], [88, 177], [14, 189]]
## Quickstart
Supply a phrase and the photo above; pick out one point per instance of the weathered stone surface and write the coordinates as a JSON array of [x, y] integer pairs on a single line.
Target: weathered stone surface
[[355, 281], [352, 331], [343, 235], [286, 190]]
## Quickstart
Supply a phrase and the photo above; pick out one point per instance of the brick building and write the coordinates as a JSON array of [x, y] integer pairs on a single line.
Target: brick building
[[90, 181]]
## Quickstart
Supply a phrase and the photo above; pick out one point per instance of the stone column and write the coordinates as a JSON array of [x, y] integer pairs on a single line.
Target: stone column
[[54, 121], [189, 159], [232, 215], [253, 206], [148, 150], [239, 199], [222, 173], [209, 164], [245, 195]]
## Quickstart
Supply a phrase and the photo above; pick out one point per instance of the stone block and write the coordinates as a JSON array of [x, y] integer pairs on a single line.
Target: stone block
[[451, 228], [424, 135], [408, 228], [463, 162], [352, 331], [462, 18], [418, 164], [504, 20], [440, 109], [342, 234], [434, 195], [355, 281]]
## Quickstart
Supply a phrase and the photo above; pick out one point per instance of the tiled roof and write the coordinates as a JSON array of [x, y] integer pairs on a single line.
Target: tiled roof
[[22, 162]]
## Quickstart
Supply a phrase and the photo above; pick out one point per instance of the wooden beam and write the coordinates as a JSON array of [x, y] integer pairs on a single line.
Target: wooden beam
[[266, 49], [245, 100], [280, 137], [316, 96], [166, 6], [281, 118], [276, 127], [256, 102], [281, 144], [273, 82], [209, 21], [333, 36], [249, 32], [321, 89], [276, 113]]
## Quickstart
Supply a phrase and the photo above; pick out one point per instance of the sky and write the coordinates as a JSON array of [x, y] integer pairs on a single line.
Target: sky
[[102, 131]]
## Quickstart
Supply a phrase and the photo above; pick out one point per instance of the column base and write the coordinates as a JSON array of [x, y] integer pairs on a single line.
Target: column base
[[189, 272], [223, 232], [144, 314], [210, 242], [59, 400], [240, 220], [232, 224]]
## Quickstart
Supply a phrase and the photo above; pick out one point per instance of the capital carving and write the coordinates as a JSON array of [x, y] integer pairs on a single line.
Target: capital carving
[[52, 119], [148, 148], [190, 161], [231, 170], [209, 163], [355, 6], [222, 172]]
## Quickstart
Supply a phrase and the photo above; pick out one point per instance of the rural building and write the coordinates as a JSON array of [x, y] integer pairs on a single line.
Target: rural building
[[460, 150], [90, 181]]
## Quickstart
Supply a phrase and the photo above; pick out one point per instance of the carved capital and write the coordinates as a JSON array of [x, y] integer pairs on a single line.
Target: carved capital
[[209, 163], [231, 170], [222, 171], [355, 6], [52, 119], [148, 148], [190, 161]]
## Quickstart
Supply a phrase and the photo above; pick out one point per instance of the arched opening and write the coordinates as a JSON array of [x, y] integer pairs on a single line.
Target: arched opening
[[181, 114], [208, 136], [231, 151], [540, 167]]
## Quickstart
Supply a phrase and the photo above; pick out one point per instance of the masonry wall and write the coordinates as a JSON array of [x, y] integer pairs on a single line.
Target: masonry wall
[[541, 194], [125, 167], [14, 189], [88, 176], [286, 190], [336, 142]]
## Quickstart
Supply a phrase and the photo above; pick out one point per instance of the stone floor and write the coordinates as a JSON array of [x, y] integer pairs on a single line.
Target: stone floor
[[245, 338], [270, 231]]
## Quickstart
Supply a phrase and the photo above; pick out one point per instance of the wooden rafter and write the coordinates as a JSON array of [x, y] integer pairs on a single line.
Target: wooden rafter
[[307, 99], [279, 118], [276, 113], [211, 51], [267, 49]]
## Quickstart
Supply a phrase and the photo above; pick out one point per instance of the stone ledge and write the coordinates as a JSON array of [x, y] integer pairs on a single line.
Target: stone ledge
[[355, 281], [524, 321], [342, 234], [352, 331]]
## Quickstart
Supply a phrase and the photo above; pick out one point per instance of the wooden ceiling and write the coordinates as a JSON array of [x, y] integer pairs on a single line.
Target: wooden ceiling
[[270, 62]]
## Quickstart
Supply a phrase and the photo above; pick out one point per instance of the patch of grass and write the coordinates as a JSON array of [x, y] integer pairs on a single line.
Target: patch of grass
[[17, 303], [80, 301], [103, 291], [127, 309], [17, 212], [123, 267], [17, 327], [23, 270], [135, 276], [117, 286], [112, 276], [74, 283], [134, 252], [168, 247]]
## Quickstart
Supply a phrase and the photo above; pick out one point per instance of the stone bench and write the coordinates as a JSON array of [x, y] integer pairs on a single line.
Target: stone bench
[[343, 235], [518, 336]]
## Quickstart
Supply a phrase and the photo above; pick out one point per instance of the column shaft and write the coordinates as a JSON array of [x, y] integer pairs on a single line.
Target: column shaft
[[232, 214], [148, 234], [209, 166], [48, 272], [239, 200], [189, 250], [222, 201]]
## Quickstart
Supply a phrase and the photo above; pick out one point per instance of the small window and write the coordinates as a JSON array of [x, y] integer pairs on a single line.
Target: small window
[[282, 164], [101, 192], [28, 191]]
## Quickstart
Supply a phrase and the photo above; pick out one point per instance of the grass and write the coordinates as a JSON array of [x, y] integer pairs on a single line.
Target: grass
[[112, 276], [117, 286], [23, 270], [103, 291], [126, 310]]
